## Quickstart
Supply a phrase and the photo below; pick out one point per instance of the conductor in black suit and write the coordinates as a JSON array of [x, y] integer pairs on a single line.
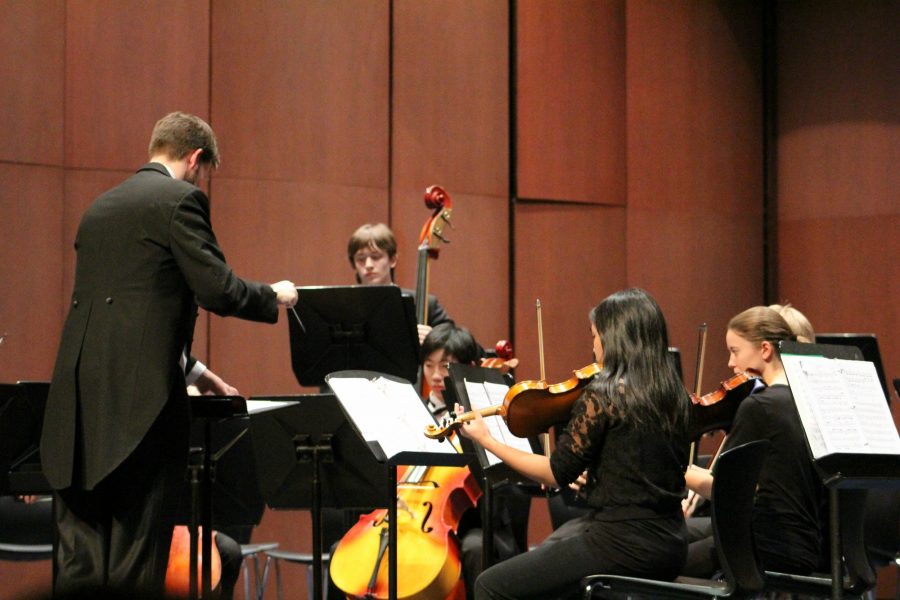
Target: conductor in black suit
[[116, 430]]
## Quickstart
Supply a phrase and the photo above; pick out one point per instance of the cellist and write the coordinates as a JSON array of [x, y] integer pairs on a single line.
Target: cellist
[[447, 344], [629, 429]]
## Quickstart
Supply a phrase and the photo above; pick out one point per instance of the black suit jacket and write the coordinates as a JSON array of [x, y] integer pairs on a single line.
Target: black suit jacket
[[146, 256]]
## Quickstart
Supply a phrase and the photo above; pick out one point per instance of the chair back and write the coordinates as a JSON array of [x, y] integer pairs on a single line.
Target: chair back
[[734, 486], [26, 530]]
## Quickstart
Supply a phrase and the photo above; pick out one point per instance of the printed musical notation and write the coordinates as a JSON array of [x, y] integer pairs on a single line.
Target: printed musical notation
[[842, 406], [483, 395]]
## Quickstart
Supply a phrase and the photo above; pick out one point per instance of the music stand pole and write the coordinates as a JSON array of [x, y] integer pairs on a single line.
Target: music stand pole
[[392, 532], [193, 587], [487, 524], [307, 451], [206, 507]]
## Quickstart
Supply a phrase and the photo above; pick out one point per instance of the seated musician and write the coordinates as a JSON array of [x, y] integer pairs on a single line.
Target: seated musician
[[629, 430], [372, 251], [787, 519], [697, 508], [447, 344]]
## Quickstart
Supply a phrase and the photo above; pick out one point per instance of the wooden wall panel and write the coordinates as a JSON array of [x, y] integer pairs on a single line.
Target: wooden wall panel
[[300, 91], [128, 63], [450, 122], [32, 39], [30, 307], [450, 97], [569, 257], [838, 151], [471, 275], [570, 101], [271, 231], [695, 178]]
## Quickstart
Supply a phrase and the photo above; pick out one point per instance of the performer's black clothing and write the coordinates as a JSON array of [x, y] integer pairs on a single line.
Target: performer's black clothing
[[115, 437], [787, 513], [636, 527]]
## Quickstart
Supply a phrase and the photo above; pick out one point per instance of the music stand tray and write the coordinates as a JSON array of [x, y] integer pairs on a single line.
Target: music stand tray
[[388, 414], [21, 421], [353, 480], [484, 468], [353, 327], [841, 464]]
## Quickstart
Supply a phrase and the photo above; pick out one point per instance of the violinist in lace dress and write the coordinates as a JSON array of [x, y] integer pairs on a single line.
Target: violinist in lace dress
[[629, 430]]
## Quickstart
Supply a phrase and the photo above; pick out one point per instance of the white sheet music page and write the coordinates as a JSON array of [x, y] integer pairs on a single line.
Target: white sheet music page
[[387, 412], [483, 395], [260, 406], [842, 406]]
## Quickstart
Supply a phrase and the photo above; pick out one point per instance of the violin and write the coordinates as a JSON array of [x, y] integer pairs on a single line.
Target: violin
[[716, 409], [431, 502], [178, 570], [529, 407]]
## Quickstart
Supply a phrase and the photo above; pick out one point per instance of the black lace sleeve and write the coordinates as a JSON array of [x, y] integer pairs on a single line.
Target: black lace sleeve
[[579, 444]]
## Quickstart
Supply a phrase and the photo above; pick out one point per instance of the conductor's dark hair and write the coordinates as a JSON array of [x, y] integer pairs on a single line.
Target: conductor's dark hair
[[454, 341], [638, 377], [178, 134]]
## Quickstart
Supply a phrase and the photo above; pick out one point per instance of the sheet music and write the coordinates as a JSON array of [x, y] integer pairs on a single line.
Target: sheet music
[[483, 395], [842, 406], [387, 412], [260, 406]]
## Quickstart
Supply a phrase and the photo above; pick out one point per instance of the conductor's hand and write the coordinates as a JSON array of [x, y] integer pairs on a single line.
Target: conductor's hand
[[210, 384], [286, 293], [475, 429]]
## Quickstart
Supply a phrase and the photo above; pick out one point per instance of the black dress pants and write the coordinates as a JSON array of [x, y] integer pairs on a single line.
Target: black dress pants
[[117, 535]]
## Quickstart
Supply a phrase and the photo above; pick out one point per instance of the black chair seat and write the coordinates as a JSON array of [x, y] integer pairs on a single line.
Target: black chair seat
[[734, 485], [681, 587]]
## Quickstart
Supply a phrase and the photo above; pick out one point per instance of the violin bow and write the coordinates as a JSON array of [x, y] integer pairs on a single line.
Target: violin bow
[[545, 437], [698, 376], [690, 503]]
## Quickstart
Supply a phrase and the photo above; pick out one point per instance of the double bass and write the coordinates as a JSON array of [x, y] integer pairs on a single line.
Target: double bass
[[430, 499]]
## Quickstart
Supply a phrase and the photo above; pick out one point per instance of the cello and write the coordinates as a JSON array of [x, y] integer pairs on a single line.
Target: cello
[[430, 499], [178, 570]]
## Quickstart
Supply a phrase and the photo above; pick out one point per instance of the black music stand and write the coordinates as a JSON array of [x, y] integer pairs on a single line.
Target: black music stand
[[426, 453], [488, 474], [860, 471], [21, 421], [292, 440], [371, 327], [207, 411]]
